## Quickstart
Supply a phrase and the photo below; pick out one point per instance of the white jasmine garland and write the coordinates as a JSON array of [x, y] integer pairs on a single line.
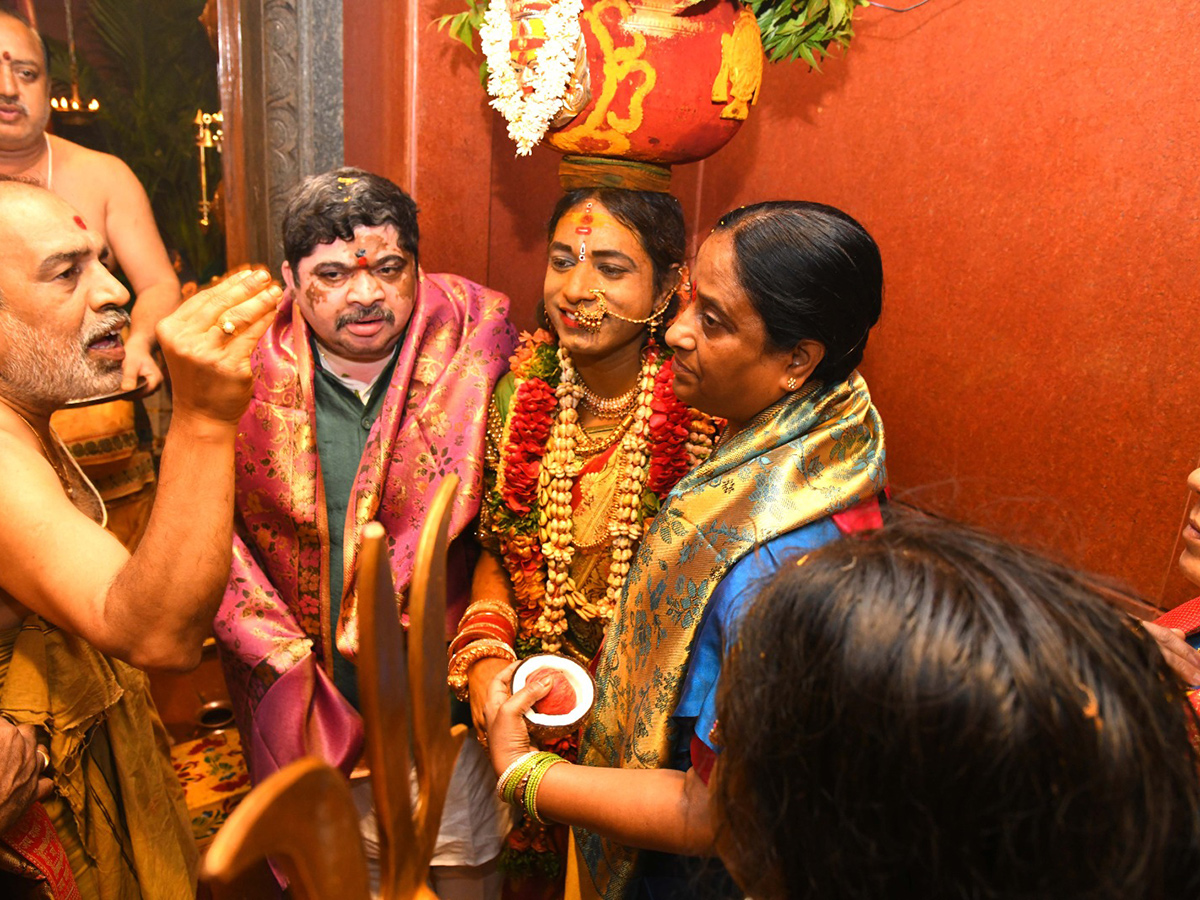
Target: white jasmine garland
[[529, 115]]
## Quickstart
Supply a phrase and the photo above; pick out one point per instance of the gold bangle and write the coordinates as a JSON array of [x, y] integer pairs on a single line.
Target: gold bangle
[[461, 662], [478, 630], [489, 604]]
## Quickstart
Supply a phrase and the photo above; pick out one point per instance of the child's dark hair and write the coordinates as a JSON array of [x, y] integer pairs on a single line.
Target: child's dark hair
[[927, 711]]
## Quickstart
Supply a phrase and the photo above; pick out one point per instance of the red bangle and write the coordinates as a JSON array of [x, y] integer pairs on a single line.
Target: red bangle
[[476, 632], [490, 617]]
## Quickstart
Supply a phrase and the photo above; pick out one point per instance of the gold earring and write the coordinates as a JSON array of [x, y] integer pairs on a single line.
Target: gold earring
[[791, 383]]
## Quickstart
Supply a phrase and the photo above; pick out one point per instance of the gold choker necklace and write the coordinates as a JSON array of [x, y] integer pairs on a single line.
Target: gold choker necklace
[[606, 408]]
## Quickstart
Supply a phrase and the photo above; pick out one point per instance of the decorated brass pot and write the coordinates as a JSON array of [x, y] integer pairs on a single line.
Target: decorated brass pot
[[667, 81], [646, 81]]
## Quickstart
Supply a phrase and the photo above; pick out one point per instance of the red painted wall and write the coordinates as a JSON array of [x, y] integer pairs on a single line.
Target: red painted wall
[[1035, 204], [1030, 174]]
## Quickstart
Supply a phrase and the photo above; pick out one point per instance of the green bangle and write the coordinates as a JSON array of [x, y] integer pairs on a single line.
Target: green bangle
[[516, 774], [506, 778], [529, 799]]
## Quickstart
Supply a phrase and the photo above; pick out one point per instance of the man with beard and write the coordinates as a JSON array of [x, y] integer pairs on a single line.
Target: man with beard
[[110, 198], [371, 386], [79, 615]]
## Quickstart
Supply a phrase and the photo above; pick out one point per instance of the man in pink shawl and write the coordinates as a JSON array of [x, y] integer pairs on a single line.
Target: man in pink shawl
[[370, 388]]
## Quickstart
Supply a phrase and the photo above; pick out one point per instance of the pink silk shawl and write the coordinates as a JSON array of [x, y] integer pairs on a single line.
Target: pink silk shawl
[[273, 626]]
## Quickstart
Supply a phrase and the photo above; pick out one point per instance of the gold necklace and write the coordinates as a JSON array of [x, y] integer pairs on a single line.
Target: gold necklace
[[605, 407], [560, 468], [586, 445], [62, 475]]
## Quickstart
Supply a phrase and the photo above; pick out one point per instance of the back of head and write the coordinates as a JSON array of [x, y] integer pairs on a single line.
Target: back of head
[[812, 273], [927, 711], [328, 207]]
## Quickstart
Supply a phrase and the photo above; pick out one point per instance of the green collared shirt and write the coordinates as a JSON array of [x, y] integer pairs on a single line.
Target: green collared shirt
[[343, 423]]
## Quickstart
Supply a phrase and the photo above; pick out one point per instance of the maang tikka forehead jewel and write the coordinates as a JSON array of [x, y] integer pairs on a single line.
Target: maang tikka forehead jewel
[[584, 227]]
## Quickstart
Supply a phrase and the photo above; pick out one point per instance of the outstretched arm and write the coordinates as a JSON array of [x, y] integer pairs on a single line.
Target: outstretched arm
[[154, 608], [138, 248], [655, 809]]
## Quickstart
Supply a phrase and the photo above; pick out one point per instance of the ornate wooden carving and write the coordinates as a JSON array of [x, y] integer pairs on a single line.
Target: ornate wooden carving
[[303, 816], [281, 88]]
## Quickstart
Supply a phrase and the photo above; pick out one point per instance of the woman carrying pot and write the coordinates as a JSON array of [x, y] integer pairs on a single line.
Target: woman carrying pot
[[785, 295], [585, 438]]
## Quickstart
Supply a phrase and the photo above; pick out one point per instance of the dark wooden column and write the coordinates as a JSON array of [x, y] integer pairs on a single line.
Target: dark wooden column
[[281, 93]]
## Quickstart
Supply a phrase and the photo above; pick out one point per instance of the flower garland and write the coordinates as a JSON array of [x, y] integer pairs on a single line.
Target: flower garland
[[532, 495], [530, 104]]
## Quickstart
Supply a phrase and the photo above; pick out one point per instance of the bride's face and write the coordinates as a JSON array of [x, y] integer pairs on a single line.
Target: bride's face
[[592, 251]]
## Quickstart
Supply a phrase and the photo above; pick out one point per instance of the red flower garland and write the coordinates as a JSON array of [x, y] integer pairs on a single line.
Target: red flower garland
[[532, 413], [669, 424]]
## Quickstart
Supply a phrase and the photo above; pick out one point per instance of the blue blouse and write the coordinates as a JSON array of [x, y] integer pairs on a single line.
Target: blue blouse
[[696, 712]]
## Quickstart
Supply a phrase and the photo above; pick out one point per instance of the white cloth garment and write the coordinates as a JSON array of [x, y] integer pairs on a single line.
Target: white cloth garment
[[474, 820]]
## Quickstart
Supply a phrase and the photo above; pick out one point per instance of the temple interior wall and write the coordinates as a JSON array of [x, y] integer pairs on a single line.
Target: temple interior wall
[[1029, 172]]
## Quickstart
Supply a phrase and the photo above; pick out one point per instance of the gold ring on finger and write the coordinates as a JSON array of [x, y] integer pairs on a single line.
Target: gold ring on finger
[[43, 759], [228, 327]]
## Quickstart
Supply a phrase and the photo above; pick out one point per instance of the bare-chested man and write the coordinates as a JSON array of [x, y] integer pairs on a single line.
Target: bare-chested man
[[78, 613], [101, 188], [114, 204]]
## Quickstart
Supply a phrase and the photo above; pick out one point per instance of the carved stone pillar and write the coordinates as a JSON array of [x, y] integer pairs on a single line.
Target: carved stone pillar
[[281, 92]]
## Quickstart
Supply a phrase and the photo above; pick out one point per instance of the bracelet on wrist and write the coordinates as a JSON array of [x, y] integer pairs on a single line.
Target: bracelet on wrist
[[461, 662], [529, 795], [502, 608], [481, 631], [504, 779], [514, 784]]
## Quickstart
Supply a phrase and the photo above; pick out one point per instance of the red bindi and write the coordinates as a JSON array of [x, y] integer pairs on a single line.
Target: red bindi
[[82, 224], [7, 56], [361, 262]]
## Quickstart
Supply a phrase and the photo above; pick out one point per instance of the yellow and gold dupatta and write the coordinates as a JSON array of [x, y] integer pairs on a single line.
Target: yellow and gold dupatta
[[812, 454]]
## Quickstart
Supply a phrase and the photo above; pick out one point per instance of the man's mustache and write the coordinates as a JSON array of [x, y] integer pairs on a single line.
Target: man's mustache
[[112, 321], [364, 314]]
